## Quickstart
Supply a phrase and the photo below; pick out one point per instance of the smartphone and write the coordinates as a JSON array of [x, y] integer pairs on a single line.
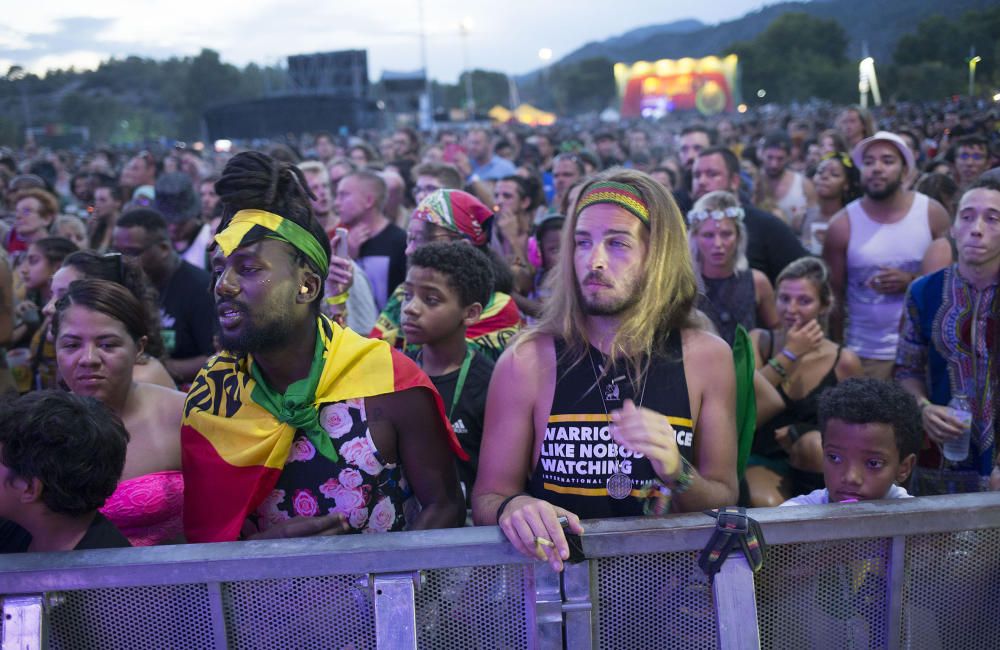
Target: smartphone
[[341, 243]]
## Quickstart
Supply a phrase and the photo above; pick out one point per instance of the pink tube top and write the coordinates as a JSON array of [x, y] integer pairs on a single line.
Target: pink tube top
[[148, 509]]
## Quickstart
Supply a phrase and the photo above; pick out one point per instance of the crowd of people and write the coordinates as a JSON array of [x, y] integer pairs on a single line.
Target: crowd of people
[[498, 325]]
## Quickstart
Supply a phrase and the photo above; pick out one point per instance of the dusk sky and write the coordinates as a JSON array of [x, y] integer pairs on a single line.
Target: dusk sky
[[503, 36]]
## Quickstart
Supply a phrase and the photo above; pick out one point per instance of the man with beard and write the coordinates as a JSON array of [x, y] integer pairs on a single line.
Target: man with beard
[[874, 248], [782, 189], [771, 244], [141, 235], [300, 427], [615, 404]]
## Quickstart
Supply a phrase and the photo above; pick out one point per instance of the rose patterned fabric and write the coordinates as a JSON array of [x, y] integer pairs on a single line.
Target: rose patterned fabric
[[360, 485]]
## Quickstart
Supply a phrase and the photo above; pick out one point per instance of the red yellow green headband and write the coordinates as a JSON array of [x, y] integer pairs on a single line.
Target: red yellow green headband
[[282, 229], [620, 194]]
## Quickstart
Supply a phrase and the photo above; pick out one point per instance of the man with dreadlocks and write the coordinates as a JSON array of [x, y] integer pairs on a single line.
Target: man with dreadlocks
[[300, 427], [615, 404]]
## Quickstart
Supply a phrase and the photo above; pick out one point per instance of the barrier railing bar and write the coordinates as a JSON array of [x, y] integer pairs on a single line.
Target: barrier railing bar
[[578, 597], [24, 624], [897, 574], [215, 611], [801, 524], [395, 611], [485, 546], [736, 605]]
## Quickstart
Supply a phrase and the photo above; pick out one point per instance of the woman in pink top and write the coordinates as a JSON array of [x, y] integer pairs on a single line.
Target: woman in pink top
[[99, 330]]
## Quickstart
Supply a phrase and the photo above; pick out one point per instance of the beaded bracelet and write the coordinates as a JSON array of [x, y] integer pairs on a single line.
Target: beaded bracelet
[[778, 368]]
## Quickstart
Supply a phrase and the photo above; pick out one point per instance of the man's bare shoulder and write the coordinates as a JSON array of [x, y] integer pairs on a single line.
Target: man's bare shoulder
[[528, 355], [702, 347]]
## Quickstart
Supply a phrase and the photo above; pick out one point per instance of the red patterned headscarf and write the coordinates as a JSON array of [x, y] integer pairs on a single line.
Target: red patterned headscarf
[[457, 211]]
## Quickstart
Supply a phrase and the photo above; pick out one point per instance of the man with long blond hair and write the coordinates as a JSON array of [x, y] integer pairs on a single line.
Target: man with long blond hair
[[615, 404]]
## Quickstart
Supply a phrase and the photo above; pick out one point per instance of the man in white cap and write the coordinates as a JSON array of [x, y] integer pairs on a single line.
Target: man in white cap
[[874, 248]]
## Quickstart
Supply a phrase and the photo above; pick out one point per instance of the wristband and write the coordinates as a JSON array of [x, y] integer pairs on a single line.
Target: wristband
[[503, 504], [339, 299], [682, 483], [923, 403], [788, 353], [778, 368]]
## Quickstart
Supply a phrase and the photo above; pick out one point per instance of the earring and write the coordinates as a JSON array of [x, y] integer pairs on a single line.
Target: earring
[[303, 289]]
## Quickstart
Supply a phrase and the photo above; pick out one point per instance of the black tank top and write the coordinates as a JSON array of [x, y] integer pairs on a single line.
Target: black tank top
[[803, 413], [733, 301], [578, 454]]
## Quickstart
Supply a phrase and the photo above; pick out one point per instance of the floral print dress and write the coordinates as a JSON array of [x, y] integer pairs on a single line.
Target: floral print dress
[[360, 485]]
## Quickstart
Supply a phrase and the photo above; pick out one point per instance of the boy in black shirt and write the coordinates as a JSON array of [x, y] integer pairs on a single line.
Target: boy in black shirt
[[446, 287], [61, 456]]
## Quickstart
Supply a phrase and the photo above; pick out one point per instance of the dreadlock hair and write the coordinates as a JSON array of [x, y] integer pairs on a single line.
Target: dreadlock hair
[[255, 181]]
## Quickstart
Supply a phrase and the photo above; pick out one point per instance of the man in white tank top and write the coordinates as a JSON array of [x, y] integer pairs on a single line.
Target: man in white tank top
[[874, 247], [782, 188]]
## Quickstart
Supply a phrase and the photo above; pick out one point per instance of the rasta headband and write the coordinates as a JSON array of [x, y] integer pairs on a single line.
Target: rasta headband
[[620, 194], [282, 229]]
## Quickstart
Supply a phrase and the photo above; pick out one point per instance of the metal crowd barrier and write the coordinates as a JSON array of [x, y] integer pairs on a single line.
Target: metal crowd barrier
[[909, 573]]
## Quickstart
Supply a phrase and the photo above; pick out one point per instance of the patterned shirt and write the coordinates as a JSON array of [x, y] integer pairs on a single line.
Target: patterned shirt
[[369, 492], [947, 333]]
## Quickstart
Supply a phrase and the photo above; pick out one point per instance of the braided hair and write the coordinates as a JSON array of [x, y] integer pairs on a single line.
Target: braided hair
[[253, 180]]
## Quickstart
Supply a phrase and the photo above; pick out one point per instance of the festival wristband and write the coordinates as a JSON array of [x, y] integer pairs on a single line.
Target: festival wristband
[[503, 504], [682, 483], [778, 368], [791, 356], [923, 403], [339, 299]]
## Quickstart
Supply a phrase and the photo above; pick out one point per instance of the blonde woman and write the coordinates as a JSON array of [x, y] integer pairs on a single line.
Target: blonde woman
[[734, 294]]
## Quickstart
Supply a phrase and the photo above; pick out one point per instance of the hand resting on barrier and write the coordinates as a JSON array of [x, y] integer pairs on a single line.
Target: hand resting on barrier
[[526, 519], [332, 524]]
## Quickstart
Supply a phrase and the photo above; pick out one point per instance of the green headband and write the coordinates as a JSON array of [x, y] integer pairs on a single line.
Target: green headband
[[284, 230]]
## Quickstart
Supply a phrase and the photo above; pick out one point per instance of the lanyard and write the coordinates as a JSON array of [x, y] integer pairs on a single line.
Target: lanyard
[[462, 374], [460, 384]]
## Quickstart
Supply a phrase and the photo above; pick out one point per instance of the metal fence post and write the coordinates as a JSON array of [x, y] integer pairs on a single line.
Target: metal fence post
[[736, 605], [894, 601], [395, 610], [548, 608], [577, 605], [24, 625]]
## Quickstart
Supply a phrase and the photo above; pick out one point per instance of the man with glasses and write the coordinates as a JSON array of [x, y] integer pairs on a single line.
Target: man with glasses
[[186, 304], [430, 177], [972, 158]]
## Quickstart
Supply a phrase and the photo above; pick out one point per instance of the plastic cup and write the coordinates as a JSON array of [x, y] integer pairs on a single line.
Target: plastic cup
[[19, 361]]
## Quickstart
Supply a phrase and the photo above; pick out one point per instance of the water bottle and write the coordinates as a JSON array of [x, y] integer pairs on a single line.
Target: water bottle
[[957, 449]]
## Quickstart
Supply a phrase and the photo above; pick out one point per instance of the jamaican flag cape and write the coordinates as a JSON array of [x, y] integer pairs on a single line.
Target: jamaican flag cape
[[237, 432], [498, 324]]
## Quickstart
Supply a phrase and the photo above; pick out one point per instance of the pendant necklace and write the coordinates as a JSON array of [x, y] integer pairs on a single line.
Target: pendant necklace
[[619, 484]]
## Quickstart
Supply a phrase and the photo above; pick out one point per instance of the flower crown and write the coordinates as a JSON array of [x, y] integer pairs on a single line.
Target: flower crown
[[735, 212]]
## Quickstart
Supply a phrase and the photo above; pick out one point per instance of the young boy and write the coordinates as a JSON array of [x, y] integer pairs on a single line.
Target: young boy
[[446, 286], [871, 432], [61, 456]]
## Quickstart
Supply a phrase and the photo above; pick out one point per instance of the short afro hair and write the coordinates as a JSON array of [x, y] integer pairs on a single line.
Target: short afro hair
[[467, 269], [862, 400], [73, 445]]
